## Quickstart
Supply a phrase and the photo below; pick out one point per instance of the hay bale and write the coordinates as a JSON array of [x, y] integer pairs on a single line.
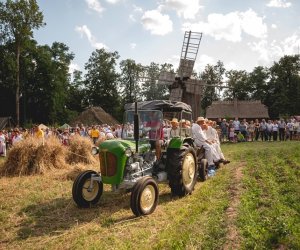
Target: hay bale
[[80, 151], [29, 157]]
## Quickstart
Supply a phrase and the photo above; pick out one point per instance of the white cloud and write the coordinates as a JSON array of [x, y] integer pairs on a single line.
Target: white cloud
[[185, 9], [113, 1], [157, 23], [95, 5], [274, 26], [269, 52], [252, 24], [203, 60], [279, 4], [137, 11], [73, 67], [230, 26], [84, 30], [132, 45]]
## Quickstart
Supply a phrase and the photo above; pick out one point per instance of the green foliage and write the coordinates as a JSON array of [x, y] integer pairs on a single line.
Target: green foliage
[[17, 21], [285, 86], [212, 75], [150, 89], [129, 81], [101, 81]]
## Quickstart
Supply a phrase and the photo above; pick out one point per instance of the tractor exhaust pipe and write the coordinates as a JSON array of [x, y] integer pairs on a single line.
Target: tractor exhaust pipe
[[136, 127]]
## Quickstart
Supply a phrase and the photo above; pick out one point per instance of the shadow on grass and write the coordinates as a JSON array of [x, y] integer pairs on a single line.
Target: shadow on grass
[[61, 214], [58, 215]]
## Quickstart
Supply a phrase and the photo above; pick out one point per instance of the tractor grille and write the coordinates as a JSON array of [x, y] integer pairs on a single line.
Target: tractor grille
[[108, 164]]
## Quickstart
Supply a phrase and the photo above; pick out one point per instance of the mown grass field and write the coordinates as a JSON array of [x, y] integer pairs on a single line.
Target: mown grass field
[[252, 203]]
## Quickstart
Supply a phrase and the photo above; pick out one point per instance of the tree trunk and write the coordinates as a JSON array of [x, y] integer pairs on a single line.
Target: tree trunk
[[18, 85]]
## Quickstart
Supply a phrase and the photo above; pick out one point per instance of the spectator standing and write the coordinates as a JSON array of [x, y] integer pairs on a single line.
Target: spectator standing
[[275, 130], [94, 134], [289, 129], [263, 130], [243, 129], [236, 124], [269, 130], [251, 130], [2, 143], [257, 129], [281, 128], [39, 134], [224, 130]]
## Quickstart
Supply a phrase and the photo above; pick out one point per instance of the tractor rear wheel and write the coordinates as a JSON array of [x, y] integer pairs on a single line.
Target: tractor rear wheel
[[182, 171], [144, 196], [82, 194]]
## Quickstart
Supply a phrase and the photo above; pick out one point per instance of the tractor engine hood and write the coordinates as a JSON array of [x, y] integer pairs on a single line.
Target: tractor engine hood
[[113, 159]]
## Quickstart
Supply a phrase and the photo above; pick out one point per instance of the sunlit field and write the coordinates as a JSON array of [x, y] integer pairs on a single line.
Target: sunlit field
[[252, 203]]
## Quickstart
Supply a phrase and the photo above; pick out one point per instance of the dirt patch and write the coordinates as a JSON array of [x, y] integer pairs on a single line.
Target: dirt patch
[[232, 237]]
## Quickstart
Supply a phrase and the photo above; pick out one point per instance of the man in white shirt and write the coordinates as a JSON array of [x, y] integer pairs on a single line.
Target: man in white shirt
[[213, 137], [202, 141]]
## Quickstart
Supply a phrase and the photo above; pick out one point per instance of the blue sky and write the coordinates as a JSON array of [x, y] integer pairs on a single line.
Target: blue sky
[[242, 34]]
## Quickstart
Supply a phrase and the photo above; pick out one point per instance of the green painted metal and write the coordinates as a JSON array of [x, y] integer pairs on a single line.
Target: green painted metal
[[175, 142], [118, 147]]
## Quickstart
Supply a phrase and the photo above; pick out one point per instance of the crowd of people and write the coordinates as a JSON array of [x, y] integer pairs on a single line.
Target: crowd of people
[[258, 130], [9, 137], [227, 131]]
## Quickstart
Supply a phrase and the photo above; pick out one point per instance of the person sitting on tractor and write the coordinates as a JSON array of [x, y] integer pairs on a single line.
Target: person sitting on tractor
[[156, 134], [174, 130], [213, 137], [201, 141]]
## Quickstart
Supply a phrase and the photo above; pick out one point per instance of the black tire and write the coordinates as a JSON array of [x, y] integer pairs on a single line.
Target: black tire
[[182, 171], [82, 197], [203, 165], [144, 196]]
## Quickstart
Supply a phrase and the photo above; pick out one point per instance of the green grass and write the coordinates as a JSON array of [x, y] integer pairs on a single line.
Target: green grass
[[37, 212]]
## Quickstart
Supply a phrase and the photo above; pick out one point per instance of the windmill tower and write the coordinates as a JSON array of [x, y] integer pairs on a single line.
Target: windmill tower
[[182, 86]]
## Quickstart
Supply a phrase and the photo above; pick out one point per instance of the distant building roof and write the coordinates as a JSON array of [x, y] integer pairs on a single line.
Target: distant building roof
[[236, 108]]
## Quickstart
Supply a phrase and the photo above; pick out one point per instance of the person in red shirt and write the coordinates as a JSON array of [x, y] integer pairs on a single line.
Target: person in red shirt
[[156, 134]]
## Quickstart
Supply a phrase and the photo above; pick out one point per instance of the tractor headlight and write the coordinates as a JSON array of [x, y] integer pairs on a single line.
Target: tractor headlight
[[128, 152], [95, 150]]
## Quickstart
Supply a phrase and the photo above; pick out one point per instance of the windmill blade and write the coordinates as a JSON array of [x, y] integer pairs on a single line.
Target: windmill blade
[[166, 77], [204, 83], [189, 51]]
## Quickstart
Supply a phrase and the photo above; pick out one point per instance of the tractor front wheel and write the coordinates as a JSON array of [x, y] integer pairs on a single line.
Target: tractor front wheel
[[83, 194], [144, 196]]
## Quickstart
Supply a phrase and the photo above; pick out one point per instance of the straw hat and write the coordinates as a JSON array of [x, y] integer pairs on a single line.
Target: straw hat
[[174, 120], [200, 119]]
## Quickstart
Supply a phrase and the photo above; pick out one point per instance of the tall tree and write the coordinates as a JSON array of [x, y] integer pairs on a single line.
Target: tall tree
[[285, 86], [129, 80], [45, 77], [7, 69], [76, 93], [258, 81], [238, 81], [101, 81], [18, 19], [151, 90], [212, 75]]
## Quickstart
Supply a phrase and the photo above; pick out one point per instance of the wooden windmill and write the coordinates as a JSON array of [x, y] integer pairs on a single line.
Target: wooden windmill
[[182, 86]]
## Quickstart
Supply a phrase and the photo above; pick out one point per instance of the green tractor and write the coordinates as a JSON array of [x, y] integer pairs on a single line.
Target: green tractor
[[130, 164]]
